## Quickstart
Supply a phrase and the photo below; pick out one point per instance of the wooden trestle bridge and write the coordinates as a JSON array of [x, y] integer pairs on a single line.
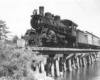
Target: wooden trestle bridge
[[59, 60]]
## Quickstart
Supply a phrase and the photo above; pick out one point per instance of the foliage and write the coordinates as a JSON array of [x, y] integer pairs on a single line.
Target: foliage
[[15, 38], [15, 62], [3, 30], [22, 36]]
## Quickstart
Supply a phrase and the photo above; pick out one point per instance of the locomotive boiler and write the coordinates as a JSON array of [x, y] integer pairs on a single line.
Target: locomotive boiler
[[50, 31]]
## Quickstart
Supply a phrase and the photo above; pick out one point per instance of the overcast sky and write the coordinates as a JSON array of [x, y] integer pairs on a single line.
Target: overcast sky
[[86, 13]]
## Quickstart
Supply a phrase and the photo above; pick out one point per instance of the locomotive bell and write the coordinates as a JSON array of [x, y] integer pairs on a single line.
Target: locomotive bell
[[41, 10]]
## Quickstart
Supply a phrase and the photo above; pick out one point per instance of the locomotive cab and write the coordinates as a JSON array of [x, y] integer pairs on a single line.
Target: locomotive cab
[[71, 27]]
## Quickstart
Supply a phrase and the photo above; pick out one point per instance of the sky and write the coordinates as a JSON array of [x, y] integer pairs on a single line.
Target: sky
[[17, 13]]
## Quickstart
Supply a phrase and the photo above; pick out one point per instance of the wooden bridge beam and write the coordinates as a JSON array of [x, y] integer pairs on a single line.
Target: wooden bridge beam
[[77, 62], [52, 68], [69, 64], [57, 67]]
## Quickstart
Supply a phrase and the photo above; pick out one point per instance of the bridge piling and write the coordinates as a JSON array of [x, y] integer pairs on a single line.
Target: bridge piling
[[42, 68], [48, 66], [83, 61], [52, 69], [37, 68], [89, 59], [92, 59], [80, 62], [86, 60], [94, 56], [69, 65], [97, 56], [64, 65], [73, 64], [57, 67]]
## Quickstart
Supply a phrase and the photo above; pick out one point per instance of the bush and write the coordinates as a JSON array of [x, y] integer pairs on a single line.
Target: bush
[[15, 62]]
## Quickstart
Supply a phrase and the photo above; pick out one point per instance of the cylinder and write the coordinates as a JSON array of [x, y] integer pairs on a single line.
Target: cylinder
[[41, 10]]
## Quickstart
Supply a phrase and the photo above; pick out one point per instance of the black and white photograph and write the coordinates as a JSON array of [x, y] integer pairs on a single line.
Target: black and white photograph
[[49, 39]]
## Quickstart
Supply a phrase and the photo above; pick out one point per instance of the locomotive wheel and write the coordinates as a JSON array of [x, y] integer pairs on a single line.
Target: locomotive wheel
[[62, 45], [51, 44]]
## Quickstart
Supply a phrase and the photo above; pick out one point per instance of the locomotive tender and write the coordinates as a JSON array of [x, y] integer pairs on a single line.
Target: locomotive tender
[[49, 30]]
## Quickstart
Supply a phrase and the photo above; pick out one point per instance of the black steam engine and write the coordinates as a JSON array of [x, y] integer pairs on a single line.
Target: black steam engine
[[50, 31]]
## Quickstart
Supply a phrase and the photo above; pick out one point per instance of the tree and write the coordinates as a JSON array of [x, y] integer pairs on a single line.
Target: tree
[[3, 30], [22, 37], [15, 38]]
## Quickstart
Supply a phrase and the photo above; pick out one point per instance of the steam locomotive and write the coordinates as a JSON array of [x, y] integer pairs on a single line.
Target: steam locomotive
[[49, 30]]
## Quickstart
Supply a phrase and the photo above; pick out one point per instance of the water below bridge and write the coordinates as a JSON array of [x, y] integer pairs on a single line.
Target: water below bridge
[[90, 72]]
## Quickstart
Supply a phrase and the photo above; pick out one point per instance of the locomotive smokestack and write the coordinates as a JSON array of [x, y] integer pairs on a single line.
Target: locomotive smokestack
[[41, 10]]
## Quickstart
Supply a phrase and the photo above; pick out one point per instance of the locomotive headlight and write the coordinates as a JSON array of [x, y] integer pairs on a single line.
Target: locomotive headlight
[[39, 21]]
